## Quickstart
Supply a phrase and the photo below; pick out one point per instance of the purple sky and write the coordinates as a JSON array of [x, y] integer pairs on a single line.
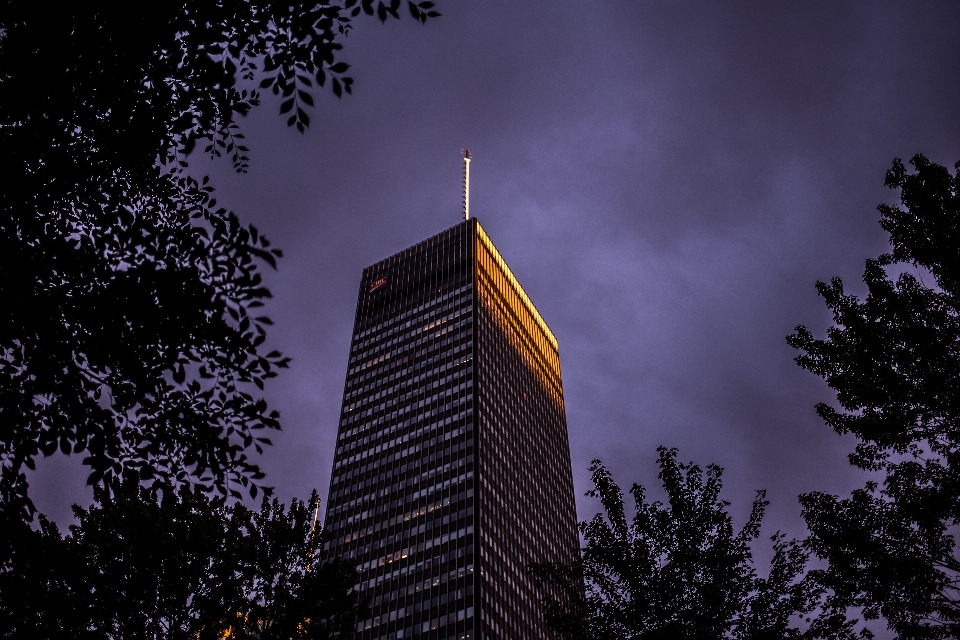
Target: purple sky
[[667, 180]]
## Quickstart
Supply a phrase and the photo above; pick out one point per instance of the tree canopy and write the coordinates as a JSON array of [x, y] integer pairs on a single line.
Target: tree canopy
[[893, 359], [681, 569], [130, 328], [178, 566]]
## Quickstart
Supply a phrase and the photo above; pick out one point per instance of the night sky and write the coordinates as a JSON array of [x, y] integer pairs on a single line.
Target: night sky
[[667, 180]]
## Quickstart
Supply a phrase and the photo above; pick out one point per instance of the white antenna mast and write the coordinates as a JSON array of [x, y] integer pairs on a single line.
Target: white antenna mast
[[466, 183]]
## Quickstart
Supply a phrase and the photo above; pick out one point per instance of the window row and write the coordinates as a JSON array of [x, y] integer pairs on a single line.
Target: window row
[[463, 349], [452, 484], [427, 545], [387, 458], [388, 508], [450, 581], [392, 597], [393, 427], [425, 343], [432, 380], [431, 323], [464, 388], [388, 327], [413, 551], [381, 490], [461, 616]]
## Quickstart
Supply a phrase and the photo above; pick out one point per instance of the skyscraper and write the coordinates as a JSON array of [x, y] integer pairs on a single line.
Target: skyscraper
[[452, 468]]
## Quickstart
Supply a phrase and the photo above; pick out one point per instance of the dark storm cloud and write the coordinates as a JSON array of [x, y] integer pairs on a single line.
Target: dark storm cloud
[[667, 180]]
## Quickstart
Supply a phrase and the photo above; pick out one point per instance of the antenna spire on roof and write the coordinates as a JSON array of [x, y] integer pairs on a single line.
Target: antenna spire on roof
[[466, 183]]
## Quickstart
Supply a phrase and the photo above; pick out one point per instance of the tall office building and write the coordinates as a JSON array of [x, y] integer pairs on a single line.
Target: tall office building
[[452, 469]]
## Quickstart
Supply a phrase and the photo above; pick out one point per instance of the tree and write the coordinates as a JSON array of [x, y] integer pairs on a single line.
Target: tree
[[893, 360], [184, 566], [129, 329], [680, 570]]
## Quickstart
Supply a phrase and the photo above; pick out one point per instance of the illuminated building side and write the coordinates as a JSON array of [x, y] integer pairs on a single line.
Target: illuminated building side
[[452, 469]]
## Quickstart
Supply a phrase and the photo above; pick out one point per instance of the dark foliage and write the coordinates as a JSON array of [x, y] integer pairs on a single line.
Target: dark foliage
[[129, 329], [893, 360], [186, 566], [680, 570]]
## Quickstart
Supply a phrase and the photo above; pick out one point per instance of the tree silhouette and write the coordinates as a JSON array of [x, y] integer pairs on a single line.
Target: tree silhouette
[[681, 570], [893, 360], [180, 566], [129, 329]]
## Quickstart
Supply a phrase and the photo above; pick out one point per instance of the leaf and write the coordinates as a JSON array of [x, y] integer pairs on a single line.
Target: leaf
[[337, 89], [305, 97], [286, 105]]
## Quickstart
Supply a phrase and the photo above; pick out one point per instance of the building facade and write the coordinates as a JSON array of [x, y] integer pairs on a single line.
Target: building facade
[[452, 468]]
